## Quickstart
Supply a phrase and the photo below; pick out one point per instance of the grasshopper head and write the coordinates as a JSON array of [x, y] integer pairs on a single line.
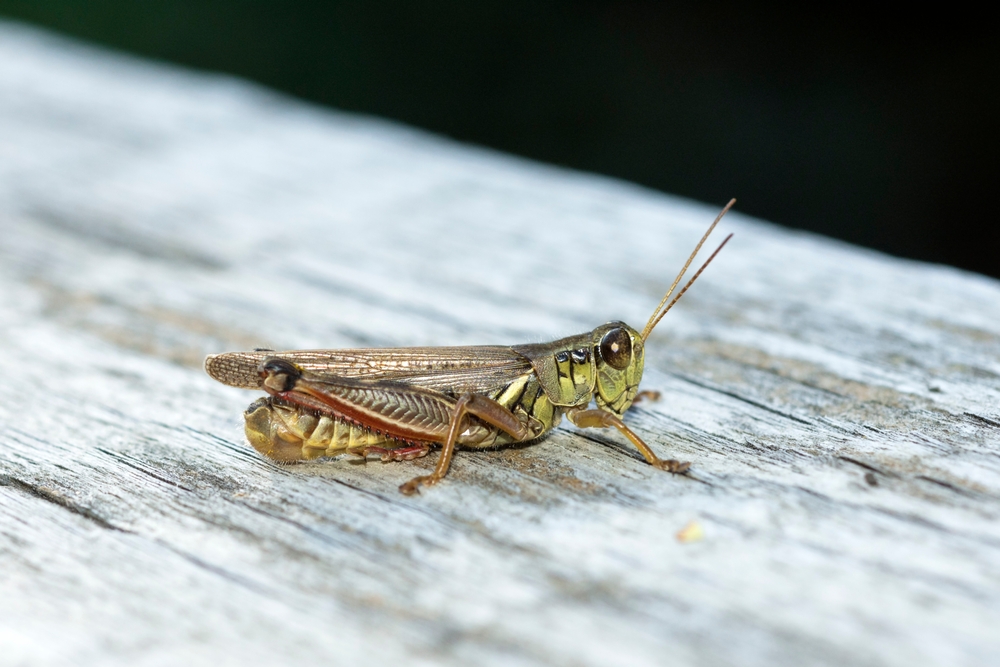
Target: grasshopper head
[[618, 356]]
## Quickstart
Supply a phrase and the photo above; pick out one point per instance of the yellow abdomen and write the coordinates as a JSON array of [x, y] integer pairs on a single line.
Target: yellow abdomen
[[288, 433]]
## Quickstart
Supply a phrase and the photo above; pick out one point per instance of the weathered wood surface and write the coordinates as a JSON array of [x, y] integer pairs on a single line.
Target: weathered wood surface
[[841, 408]]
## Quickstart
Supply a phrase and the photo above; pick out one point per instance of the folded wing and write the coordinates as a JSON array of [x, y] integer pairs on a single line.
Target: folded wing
[[477, 369]]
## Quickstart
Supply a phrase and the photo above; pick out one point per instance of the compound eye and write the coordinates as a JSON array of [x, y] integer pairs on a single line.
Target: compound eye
[[616, 349]]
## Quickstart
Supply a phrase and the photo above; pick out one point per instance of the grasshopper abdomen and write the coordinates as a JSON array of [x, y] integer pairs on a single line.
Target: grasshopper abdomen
[[286, 432]]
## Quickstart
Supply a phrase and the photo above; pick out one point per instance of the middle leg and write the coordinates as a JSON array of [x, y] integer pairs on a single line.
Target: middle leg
[[594, 418]]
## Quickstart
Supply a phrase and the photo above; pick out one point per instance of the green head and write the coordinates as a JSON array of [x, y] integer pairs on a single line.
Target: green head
[[618, 360]]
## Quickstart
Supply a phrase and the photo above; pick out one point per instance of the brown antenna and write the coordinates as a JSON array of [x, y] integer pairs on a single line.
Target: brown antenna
[[660, 310]]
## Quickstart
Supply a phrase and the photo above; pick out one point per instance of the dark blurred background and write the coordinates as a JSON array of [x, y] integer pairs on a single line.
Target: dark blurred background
[[875, 128]]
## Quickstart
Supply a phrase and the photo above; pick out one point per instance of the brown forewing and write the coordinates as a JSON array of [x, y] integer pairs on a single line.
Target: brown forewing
[[477, 368]]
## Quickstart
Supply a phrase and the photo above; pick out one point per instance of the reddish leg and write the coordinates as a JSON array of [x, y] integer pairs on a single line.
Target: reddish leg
[[399, 454], [486, 409]]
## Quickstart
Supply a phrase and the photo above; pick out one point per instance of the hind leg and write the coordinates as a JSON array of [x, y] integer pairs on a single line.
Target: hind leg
[[487, 410]]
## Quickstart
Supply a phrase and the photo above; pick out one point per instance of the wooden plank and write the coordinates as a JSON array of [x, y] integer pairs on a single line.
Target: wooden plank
[[840, 407]]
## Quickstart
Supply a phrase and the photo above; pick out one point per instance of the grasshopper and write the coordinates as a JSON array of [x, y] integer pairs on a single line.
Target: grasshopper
[[396, 403]]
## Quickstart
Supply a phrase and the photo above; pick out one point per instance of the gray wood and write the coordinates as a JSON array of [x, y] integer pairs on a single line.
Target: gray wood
[[839, 407]]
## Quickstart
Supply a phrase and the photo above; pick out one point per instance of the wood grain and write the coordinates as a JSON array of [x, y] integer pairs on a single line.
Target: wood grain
[[841, 408]]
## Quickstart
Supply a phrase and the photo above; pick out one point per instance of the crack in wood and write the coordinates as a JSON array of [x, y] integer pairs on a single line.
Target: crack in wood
[[982, 420], [217, 570], [744, 399], [867, 466], [948, 485], [119, 237], [128, 462], [53, 496]]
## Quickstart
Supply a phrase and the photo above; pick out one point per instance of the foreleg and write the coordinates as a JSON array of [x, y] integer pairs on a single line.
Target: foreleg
[[594, 418]]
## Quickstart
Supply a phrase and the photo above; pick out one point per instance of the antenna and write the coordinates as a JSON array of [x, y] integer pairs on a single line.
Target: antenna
[[660, 310]]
